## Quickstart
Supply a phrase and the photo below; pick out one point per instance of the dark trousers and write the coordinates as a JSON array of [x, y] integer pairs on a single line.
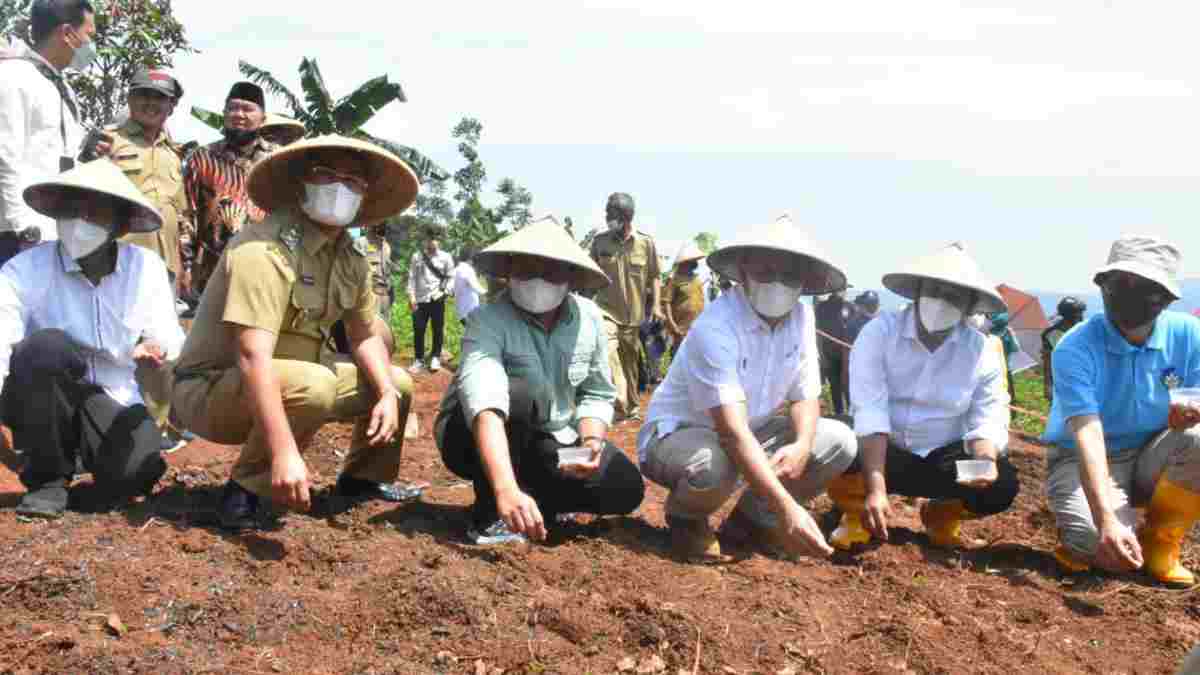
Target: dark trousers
[[341, 341], [62, 421], [616, 488], [10, 246], [935, 476], [435, 311], [839, 388]]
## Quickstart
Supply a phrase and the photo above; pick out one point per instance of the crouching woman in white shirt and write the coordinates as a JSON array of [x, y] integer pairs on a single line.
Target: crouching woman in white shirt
[[928, 392], [740, 402], [76, 318]]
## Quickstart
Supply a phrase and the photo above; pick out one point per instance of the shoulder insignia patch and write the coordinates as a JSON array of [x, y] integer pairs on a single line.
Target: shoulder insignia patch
[[290, 236], [360, 247]]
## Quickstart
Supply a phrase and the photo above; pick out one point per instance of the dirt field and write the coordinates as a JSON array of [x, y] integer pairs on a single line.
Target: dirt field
[[153, 587]]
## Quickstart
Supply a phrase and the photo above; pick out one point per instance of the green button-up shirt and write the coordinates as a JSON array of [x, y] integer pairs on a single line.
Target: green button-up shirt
[[571, 361]]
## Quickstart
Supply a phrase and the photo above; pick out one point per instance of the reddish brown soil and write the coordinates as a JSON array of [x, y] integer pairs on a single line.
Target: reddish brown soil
[[379, 589]]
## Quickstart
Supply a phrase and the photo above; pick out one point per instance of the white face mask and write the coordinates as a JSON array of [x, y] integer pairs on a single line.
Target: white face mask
[[938, 315], [772, 300], [81, 238], [333, 204], [537, 296], [978, 322], [84, 56]]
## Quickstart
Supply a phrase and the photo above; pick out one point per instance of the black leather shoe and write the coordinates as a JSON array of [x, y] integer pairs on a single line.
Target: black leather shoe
[[239, 508], [348, 486], [48, 500]]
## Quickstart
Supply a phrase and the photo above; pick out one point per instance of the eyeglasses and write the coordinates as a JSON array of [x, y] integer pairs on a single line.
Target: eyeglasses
[[323, 175]]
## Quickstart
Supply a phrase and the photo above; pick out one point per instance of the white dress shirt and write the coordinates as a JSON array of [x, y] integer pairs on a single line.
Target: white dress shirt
[[43, 288], [731, 355], [32, 120], [467, 289], [925, 401], [423, 284]]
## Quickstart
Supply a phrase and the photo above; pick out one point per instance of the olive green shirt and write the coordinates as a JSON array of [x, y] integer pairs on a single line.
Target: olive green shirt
[[503, 341], [285, 276], [632, 265], [154, 166]]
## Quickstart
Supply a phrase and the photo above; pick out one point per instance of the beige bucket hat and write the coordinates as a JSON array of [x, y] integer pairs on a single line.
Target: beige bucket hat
[[687, 253], [544, 238], [781, 235], [286, 129], [1148, 257], [393, 186], [951, 266], [100, 177]]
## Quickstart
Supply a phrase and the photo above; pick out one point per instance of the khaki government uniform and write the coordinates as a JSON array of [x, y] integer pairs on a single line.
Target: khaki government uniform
[[284, 276], [155, 167], [685, 298], [632, 265], [379, 255]]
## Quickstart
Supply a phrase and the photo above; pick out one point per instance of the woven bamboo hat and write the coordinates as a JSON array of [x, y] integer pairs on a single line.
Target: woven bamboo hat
[[544, 238], [286, 129], [953, 267], [392, 185], [784, 236], [99, 178], [687, 253]]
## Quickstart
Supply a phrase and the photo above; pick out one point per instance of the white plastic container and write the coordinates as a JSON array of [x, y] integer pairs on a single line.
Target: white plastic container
[[1187, 396], [973, 469], [568, 456]]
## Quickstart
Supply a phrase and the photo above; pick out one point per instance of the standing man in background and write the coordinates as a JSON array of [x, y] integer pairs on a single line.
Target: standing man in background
[[1070, 313], [40, 131], [379, 254], [630, 260], [684, 299], [833, 319], [467, 287], [430, 273]]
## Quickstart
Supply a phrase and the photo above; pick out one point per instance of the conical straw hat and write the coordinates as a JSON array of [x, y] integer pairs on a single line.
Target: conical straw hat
[[544, 238], [951, 266], [393, 186], [687, 253], [781, 235], [100, 177], [292, 129]]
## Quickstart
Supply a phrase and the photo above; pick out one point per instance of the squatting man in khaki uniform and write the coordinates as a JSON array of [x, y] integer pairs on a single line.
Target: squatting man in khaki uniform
[[630, 260], [716, 419], [533, 385], [256, 368]]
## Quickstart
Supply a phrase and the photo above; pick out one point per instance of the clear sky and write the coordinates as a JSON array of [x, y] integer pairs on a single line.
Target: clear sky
[[1034, 132]]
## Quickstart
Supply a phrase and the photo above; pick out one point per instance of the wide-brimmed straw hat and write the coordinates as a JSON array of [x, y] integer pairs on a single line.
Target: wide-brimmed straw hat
[[99, 178], [272, 183], [1148, 257], [687, 253], [784, 236], [544, 238], [953, 267], [288, 127]]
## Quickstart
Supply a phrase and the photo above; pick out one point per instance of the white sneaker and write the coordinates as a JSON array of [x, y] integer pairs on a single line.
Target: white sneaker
[[416, 368], [434, 365]]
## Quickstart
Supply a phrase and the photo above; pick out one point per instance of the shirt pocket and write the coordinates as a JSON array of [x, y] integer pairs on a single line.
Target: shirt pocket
[[130, 164], [522, 365], [578, 367], [309, 301]]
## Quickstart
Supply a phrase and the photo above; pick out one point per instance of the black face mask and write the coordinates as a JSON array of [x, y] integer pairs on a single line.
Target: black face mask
[[239, 137], [1129, 309]]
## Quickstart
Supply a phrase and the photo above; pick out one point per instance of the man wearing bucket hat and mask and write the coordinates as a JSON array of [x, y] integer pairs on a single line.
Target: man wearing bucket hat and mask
[[215, 182], [77, 316], [684, 298], [281, 130], [527, 414], [715, 420], [1123, 421], [927, 392], [256, 368]]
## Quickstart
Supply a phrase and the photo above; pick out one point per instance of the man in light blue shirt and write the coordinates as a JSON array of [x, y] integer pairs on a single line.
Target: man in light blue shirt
[[533, 389], [1118, 440]]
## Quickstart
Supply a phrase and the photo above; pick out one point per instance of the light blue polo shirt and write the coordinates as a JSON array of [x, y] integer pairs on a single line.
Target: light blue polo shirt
[[1098, 372]]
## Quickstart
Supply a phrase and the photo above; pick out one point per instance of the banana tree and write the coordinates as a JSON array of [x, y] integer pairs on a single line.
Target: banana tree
[[321, 114]]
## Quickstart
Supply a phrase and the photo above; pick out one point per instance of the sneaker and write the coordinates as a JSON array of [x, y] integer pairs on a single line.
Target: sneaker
[[495, 534], [434, 365], [47, 501], [416, 368], [239, 508]]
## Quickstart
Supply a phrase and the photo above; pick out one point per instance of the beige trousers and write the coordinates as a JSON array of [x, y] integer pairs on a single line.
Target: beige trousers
[[623, 349]]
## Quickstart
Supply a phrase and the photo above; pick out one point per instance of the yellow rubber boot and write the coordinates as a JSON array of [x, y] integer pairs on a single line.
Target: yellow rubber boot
[[849, 492], [942, 519], [1172, 512], [1069, 562]]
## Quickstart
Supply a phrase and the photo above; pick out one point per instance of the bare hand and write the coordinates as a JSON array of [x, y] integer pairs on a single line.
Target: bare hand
[[183, 283], [878, 511], [289, 481], [1183, 417], [1119, 550], [385, 420], [150, 353], [790, 461], [802, 529], [584, 470], [103, 146], [521, 514]]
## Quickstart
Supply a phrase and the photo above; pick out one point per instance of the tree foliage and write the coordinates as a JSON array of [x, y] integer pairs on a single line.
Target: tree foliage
[[130, 35], [707, 241]]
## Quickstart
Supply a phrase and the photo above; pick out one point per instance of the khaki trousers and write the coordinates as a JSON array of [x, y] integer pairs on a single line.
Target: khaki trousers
[[623, 349], [155, 384], [1134, 472], [217, 408]]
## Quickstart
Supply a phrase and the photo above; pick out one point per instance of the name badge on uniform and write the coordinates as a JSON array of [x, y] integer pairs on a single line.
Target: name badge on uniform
[[307, 279]]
